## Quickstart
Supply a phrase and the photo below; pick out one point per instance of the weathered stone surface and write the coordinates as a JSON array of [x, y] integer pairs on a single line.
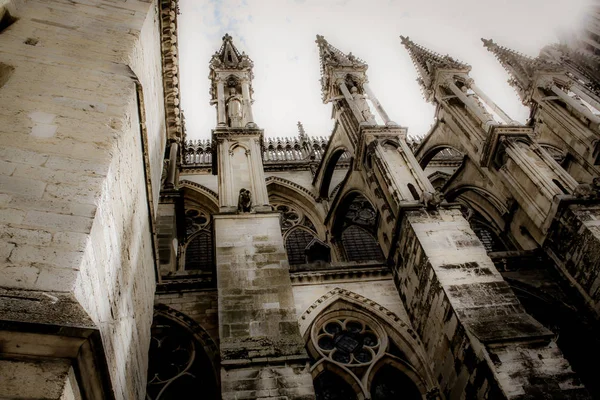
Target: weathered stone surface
[[74, 202]]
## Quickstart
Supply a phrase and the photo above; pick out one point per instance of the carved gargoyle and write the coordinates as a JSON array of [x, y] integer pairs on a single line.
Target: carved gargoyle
[[588, 191], [244, 201], [432, 200]]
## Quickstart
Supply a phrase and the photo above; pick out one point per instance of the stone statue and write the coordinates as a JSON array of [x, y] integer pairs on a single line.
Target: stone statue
[[234, 109], [432, 200], [362, 105], [244, 201]]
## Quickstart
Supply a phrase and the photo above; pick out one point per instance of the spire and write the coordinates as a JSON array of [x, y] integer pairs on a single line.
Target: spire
[[334, 60], [428, 63], [520, 67], [228, 57], [301, 131]]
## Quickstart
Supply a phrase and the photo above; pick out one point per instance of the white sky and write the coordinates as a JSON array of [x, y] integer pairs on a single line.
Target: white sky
[[279, 36]]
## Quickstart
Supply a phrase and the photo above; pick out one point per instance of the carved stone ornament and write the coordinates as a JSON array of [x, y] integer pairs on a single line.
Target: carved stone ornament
[[432, 200], [245, 201]]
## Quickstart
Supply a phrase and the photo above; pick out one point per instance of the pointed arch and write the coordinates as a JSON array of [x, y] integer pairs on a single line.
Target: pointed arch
[[200, 194], [399, 332], [182, 355], [301, 198]]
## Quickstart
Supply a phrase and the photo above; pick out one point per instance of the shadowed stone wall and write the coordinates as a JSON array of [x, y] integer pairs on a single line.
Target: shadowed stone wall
[[79, 146]]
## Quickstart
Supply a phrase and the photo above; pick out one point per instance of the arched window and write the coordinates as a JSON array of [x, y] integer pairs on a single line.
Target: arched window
[[356, 231], [178, 364], [199, 252], [350, 348], [303, 247], [413, 191], [360, 245]]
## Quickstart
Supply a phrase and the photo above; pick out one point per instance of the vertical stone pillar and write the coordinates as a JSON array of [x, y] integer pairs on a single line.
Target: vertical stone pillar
[[262, 352], [466, 314], [221, 119], [248, 116], [380, 110], [172, 172]]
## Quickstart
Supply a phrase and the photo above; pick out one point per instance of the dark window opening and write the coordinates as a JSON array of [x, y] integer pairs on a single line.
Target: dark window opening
[[391, 384], [303, 247], [6, 19], [360, 245], [560, 186], [178, 364], [329, 386], [199, 253], [413, 191]]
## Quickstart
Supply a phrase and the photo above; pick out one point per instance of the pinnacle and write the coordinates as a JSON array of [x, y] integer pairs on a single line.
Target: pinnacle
[[428, 62], [228, 55], [520, 67]]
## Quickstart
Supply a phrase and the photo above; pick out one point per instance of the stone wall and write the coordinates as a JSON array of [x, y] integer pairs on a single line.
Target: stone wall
[[383, 292], [201, 306], [73, 189], [574, 243]]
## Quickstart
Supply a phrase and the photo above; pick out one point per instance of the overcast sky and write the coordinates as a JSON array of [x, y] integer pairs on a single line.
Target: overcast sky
[[279, 36]]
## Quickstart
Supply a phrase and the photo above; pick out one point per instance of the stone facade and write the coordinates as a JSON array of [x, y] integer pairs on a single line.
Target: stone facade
[[136, 264]]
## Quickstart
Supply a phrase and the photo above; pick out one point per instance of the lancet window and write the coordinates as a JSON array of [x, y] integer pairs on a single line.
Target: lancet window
[[198, 248]]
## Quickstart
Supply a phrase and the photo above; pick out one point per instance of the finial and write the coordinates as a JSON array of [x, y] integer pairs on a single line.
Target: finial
[[301, 131], [489, 43], [321, 39], [227, 38]]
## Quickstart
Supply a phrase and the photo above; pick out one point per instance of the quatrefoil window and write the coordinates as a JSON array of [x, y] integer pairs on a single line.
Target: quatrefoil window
[[348, 341]]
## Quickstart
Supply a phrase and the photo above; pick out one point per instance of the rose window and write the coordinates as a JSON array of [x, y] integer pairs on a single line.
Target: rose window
[[348, 341]]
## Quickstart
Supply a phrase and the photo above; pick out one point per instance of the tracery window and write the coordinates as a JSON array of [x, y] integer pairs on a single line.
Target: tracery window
[[178, 365], [351, 348], [199, 253], [359, 227], [301, 242]]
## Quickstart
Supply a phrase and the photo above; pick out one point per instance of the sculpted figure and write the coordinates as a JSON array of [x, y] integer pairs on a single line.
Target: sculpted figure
[[234, 109], [361, 102], [432, 200], [244, 201], [584, 191]]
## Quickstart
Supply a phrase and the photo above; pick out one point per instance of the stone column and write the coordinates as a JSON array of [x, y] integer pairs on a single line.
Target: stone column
[[492, 105], [172, 172], [594, 119], [475, 108], [262, 352], [350, 100], [221, 116], [248, 116], [384, 116], [577, 90]]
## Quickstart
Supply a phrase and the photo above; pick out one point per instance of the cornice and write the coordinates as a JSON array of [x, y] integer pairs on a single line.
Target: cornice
[[345, 274]]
